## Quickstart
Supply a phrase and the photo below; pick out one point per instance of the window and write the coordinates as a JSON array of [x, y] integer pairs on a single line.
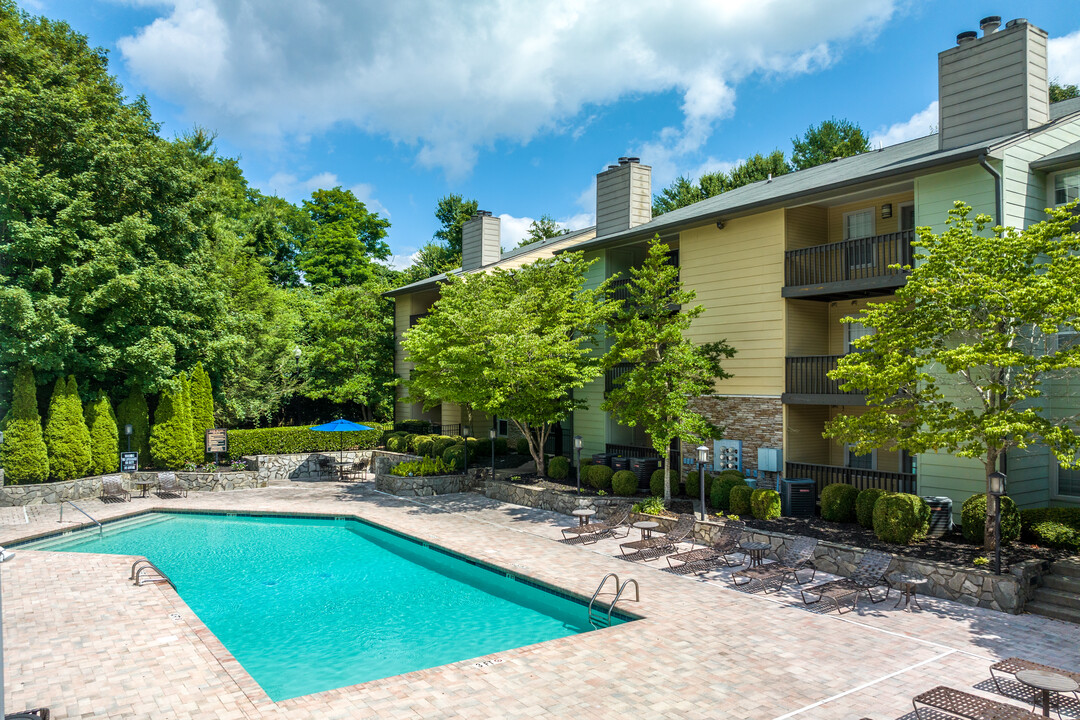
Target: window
[[502, 427], [907, 216], [859, 225], [861, 462], [1066, 187], [1068, 482], [852, 332]]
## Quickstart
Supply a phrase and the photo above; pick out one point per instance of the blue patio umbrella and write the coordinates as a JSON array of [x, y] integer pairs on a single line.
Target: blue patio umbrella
[[340, 425]]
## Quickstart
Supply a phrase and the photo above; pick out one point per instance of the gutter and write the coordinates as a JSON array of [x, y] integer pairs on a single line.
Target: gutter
[[998, 209]]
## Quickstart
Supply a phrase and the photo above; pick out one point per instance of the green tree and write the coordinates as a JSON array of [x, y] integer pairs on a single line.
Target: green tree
[[194, 453], [276, 230], [452, 212], [960, 360], [830, 139], [133, 411], [23, 454], [104, 438], [170, 436], [202, 406], [512, 344], [1059, 92], [683, 191], [346, 239], [350, 353], [543, 229], [667, 369], [66, 435]]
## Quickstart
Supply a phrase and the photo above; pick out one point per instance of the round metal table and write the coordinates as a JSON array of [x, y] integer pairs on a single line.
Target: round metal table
[[906, 583], [583, 515], [646, 527], [756, 551], [144, 486], [1046, 683]]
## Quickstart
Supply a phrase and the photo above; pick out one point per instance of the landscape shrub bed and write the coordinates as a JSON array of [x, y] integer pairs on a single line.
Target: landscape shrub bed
[[558, 467], [720, 496], [764, 504], [1052, 527], [599, 476], [864, 506], [973, 519], [427, 466], [838, 502], [624, 482], [901, 518], [656, 483], [739, 500], [300, 439]]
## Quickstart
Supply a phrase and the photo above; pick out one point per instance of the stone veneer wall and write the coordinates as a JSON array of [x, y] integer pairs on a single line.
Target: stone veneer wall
[[90, 487], [545, 499], [315, 466], [970, 586], [424, 485], [757, 421]]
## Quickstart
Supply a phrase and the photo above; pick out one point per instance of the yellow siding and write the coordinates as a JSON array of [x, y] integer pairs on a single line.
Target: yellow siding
[[806, 226], [841, 309], [807, 328], [543, 251], [802, 437], [888, 460], [737, 274], [882, 225]]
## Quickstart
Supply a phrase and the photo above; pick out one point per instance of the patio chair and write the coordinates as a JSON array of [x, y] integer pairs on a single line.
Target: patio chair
[[869, 573], [1013, 665], [659, 545], [35, 714], [112, 489], [798, 555], [703, 559], [966, 705], [592, 532], [169, 485]]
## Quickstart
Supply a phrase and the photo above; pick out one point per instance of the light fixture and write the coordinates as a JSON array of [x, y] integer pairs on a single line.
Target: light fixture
[[465, 448], [702, 458], [702, 454], [127, 432], [492, 432], [997, 483], [578, 443], [127, 429], [297, 353], [996, 487], [886, 210], [720, 224]]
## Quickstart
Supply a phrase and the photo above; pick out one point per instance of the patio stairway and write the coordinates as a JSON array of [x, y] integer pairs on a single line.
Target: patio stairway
[[1059, 594]]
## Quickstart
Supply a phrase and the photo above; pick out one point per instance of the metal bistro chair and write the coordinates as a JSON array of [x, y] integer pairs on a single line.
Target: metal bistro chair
[[699, 560], [798, 556], [869, 573]]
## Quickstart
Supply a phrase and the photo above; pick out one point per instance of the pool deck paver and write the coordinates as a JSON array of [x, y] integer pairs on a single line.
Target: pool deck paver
[[82, 640]]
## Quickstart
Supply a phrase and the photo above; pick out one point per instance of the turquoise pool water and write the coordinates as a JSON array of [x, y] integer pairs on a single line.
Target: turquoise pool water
[[311, 604]]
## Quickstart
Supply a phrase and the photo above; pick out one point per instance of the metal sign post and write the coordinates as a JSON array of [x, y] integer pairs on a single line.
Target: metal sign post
[[129, 462], [217, 441]]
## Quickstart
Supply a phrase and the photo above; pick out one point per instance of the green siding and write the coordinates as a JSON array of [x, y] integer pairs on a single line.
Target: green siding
[[591, 422], [1025, 189], [935, 194]]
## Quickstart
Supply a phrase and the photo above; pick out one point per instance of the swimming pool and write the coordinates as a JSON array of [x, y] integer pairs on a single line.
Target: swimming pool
[[309, 604]]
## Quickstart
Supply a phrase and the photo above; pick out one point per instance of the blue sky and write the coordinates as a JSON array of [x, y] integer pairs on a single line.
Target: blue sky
[[519, 104]]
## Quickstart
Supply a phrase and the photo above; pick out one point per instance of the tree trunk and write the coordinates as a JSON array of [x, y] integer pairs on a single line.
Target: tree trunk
[[536, 444], [667, 468], [990, 465]]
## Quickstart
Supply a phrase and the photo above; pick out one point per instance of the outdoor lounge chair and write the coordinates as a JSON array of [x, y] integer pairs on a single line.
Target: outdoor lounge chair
[[966, 705], [869, 573], [169, 485], [592, 532], [112, 489], [658, 545], [35, 714], [1013, 665], [799, 555], [703, 559]]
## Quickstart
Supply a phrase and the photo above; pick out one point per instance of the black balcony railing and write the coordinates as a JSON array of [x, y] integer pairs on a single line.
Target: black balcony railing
[[807, 381], [413, 319], [862, 264], [612, 375], [862, 479]]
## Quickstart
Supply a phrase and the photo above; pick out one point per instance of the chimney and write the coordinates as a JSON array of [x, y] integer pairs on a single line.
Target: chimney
[[480, 241], [992, 85], [623, 196]]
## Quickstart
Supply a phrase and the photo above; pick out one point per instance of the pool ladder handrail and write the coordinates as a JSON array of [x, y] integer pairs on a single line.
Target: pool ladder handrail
[[68, 502], [595, 619], [136, 575]]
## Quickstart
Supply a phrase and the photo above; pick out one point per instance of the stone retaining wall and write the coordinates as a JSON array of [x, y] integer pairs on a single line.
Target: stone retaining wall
[[90, 487], [318, 466], [968, 585], [423, 485], [545, 499]]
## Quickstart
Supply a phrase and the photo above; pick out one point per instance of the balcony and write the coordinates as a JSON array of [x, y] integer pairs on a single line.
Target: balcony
[[612, 375], [413, 319], [848, 269], [806, 382], [861, 478]]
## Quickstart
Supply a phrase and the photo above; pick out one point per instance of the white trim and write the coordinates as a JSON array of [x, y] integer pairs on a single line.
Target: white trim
[[1051, 181], [872, 210]]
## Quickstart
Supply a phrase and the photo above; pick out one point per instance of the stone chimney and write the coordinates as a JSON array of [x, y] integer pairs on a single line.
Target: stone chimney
[[480, 241], [992, 85], [623, 196]]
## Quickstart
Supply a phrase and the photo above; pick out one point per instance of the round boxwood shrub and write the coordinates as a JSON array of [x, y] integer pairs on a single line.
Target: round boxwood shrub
[[838, 502], [454, 457], [739, 500], [425, 446], [396, 443], [624, 482], [558, 467], [522, 446], [973, 519], [656, 483], [720, 496], [864, 506], [410, 438], [901, 518], [599, 476], [765, 504], [500, 446], [693, 483], [475, 447]]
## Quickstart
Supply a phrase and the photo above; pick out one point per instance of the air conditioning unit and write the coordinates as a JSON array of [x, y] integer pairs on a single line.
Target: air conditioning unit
[[798, 497]]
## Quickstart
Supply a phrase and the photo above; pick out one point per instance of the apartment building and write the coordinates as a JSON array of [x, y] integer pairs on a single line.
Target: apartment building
[[778, 264]]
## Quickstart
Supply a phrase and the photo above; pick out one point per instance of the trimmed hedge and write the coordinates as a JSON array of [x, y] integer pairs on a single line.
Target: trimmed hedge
[[599, 476], [500, 446], [23, 455], [624, 482], [440, 444], [765, 504], [522, 446], [901, 518], [973, 519], [864, 506], [558, 467], [656, 483], [693, 483], [299, 439], [721, 488], [425, 446], [454, 457], [838, 502], [1052, 527], [739, 500]]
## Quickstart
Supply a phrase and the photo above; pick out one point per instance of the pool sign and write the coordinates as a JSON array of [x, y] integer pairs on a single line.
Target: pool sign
[[129, 462], [217, 441]]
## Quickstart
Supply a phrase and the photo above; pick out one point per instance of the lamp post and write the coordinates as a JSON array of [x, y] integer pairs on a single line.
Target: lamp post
[[996, 481], [577, 450], [296, 355], [127, 431], [491, 434], [465, 442], [702, 458]]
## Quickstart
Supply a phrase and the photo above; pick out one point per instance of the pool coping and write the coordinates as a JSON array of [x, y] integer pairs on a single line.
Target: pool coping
[[254, 692]]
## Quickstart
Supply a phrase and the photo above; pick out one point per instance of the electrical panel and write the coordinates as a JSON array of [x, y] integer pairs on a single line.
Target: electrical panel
[[770, 460], [727, 455]]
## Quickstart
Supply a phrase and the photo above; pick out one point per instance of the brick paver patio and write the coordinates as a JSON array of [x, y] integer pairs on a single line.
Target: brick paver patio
[[82, 640]]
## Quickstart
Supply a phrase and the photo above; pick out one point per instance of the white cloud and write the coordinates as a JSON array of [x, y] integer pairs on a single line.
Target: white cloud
[[400, 261], [450, 78], [292, 188], [512, 230], [1063, 58], [918, 125]]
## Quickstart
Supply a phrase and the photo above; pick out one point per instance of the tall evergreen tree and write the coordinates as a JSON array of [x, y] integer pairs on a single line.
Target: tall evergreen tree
[[23, 455], [202, 406], [170, 436], [104, 438], [133, 411], [831, 139], [194, 453], [66, 435]]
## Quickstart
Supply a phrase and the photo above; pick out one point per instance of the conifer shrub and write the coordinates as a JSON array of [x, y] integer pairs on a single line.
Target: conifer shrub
[[104, 438], [739, 500], [66, 435], [202, 406], [625, 483], [764, 504], [522, 446], [170, 435], [838, 502], [721, 489], [558, 468], [599, 476], [901, 518], [864, 506], [23, 455], [974, 521], [195, 445], [133, 411]]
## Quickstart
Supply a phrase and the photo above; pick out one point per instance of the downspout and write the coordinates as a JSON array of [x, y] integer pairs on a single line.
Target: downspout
[[998, 209]]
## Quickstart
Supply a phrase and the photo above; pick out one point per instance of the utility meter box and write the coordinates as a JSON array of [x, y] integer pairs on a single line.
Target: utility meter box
[[770, 460], [727, 455]]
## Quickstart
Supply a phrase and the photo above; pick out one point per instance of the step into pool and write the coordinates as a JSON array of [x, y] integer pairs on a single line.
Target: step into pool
[[309, 604]]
